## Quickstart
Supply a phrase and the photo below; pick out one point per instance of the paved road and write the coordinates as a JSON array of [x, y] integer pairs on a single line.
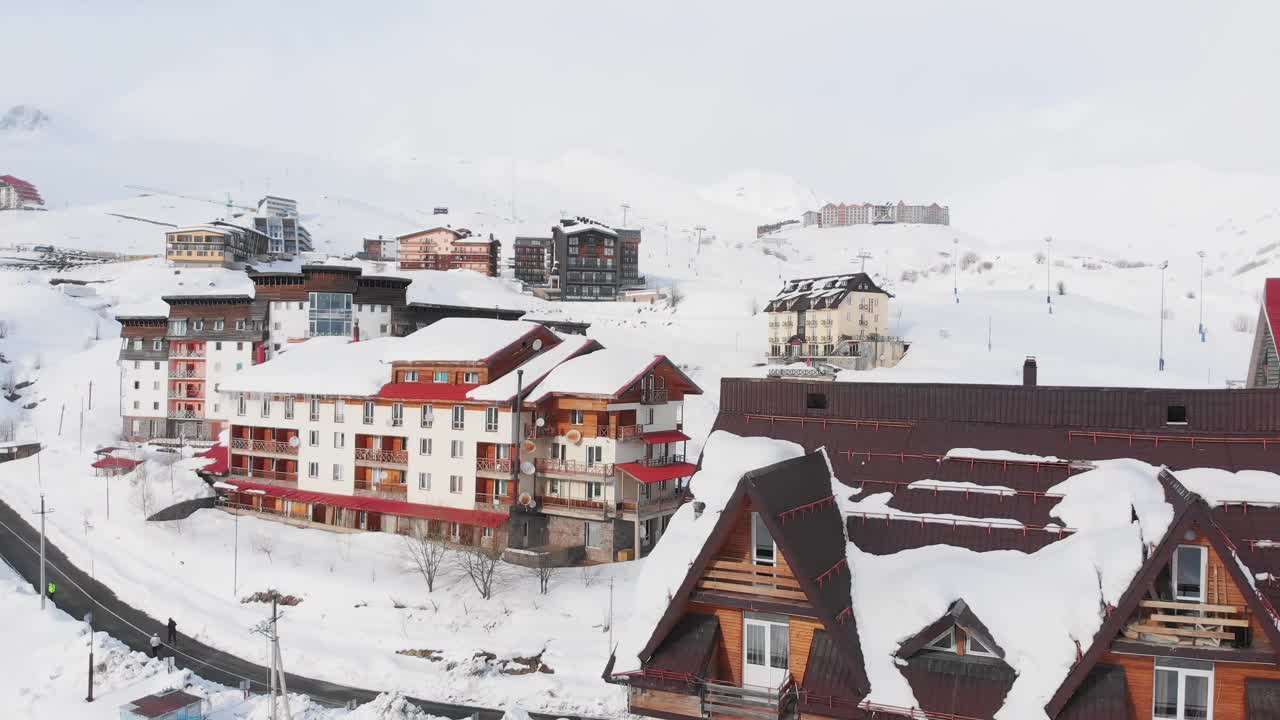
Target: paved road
[[123, 622]]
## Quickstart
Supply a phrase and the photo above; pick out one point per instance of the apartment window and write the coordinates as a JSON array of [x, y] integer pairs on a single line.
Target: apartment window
[[288, 408], [266, 406], [424, 446], [428, 416], [313, 470], [455, 483], [177, 327], [575, 417], [157, 345], [240, 346], [217, 345], [239, 366], [471, 378], [945, 642], [594, 454], [974, 646], [455, 448], [1183, 689], [411, 376], [337, 471], [763, 549], [313, 438], [137, 384], [155, 406], [368, 412], [424, 481], [135, 405], [397, 414], [440, 376], [314, 409], [1188, 572], [491, 419], [486, 532], [382, 329], [815, 401], [339, 440], [137, 365], [650, 415], [595, 490], [240, 325], [593, 533], [275, 326], [219, 325], [329, 314], [553, 486], [459, 417], [1176, 415], [240, 405]]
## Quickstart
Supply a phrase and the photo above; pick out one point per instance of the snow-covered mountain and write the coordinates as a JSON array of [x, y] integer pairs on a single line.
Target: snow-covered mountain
[[23, 119]]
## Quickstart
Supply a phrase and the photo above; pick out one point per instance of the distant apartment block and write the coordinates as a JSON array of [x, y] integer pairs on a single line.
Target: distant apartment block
[[534, 259], [811, 217], [217, 243], [381, 249], [582, 260], [17, 194], [446, 248], [840, 214], [630, 246], [277, 218]]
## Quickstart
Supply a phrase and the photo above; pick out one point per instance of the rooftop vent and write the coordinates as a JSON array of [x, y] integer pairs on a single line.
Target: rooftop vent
[[1029, 371]]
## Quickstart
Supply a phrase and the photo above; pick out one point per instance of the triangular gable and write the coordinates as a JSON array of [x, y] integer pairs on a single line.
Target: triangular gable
[[958, 615], [1191, 511], [661, 361]]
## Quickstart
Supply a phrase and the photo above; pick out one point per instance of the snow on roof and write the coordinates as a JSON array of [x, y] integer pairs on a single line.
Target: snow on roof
[[504, 388], [459, 339], [1218, 487], [319, 366], [1036, 605], [584, 227], [725, 459], [151, 307], [604, 372]]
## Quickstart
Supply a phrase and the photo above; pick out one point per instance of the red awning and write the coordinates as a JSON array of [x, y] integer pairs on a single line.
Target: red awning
[[657, 473], [219, 465], [663, 436], [379, 505], [116, 462], [424, 391]]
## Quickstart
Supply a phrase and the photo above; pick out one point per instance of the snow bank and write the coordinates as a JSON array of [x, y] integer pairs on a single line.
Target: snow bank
[[319, 366], [976, 454], [1037, 605], [603, 372], [725, 459], [1223, 486]]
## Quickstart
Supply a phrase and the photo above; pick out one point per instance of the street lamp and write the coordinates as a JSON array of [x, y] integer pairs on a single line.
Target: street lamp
[[955, 265], [1163, 265], [1201, 254]]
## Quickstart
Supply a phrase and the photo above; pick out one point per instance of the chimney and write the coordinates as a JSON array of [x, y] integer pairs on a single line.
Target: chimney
[[1029, 371]]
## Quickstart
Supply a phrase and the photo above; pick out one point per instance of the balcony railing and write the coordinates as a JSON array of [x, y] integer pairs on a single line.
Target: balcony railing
[[581, 503], [628, 432], [275, 447], [1189, 623], [662, 460], [396, 457], [490, 500], [653, 396], [389, 490], [533, 431], [187, 393], [183, 373], [269, 477], [185, 352], [493, 465], [659, 503], [186, 414], [573, 467]]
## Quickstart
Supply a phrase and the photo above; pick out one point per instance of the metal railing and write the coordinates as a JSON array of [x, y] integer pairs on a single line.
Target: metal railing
[[493, 464], [176, 351], [653, 396], [389, 490], [490, 499], [268, 477], [398, 457], [186, 414], [180, 373], [581, 503], [185, 394], [573, 467], [532, 431], [277, 447], [662, 460]]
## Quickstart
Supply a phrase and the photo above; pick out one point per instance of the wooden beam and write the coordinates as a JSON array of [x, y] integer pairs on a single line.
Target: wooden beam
[[1174, 605], [753, 590], [1177, 632], [749, 580], [1194, 620], [751, 568]]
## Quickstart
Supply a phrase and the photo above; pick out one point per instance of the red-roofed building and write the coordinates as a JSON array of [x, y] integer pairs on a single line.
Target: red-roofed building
[[446, 248], [18, 194], [1264, 363], [168, 705]]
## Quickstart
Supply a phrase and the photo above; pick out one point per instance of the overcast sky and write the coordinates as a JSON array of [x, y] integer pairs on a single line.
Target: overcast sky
[[874, 100]]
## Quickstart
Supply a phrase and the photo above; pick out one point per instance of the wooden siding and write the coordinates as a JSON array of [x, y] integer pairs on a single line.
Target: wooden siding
[[643, 699], [1228, 684], [801, 632], [1221, 589], [729, 654], [426, 371]]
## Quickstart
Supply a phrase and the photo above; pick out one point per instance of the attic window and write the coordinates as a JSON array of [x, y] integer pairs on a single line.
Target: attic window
[[815, 401], [1176, 415], [945, 642], [974, 646]]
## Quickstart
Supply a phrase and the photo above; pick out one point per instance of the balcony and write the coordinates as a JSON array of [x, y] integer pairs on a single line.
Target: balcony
[[388, 490], [177, 352], [271, 447], [750, 701], [186, 374], [487, 501], [1183, 622], [186, 414], [657, 503], [186, 393], [662, 460], [268, 477], [533, 431], [628, 432], [494, 465], [375, 455], [573, 467], [734, 576], [653, 396]]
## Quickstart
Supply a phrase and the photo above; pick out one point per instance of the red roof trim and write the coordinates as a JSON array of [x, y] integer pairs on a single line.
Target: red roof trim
[[219, 454], [424, 391], [657, 473], [536, 329], [663, 436], [380, 505]]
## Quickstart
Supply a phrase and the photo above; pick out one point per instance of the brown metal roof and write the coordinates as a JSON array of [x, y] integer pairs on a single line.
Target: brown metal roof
[[1262, 698], [887, 535], [161, 704], [1104, 695], [969, 686], [685, 653], [832, 683]]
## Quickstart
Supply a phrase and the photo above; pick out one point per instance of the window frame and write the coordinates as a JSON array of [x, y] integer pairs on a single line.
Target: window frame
[[950, 647], [1204, 567]]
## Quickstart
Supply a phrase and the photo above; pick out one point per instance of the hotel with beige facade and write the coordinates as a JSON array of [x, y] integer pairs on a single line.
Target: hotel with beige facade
[[831, 317]]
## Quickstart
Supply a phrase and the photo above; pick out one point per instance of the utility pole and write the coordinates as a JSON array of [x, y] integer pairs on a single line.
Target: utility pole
[[88, 618], [955, 265], [1163, 265], [864, 256], [625, 207], [90, 394], [700, 229], [1201, 254], [44, 581], [1048, 270], [275, 673], [988, 333]]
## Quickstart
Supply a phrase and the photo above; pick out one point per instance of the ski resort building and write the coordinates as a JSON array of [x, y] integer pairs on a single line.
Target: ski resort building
[[534, 260], [330, 300], [216, 244], [582, 260], [277, 218], [1264, 362], [839, 319], [480, 431], [18, 194], [840, 214], [968, 552], [445, 248]]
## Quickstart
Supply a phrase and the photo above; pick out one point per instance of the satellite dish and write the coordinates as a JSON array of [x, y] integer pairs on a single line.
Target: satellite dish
[[574, 436], [537, 343], [540, 422], [526, 500], [294, 441], [527, 467], [529, 446]]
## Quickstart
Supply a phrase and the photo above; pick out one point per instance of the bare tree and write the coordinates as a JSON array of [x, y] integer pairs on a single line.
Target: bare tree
[[8, 430], [428, 554], [543, 572], [264, 544], [755, 306], [676, 296], [10, 384], [481, 565], [1062, 288], [4, 328], [144, 498]]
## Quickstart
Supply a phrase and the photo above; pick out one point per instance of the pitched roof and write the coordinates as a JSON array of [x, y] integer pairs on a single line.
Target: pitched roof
[[535, 370], [801, 293], [162, 703], [466, 339], [605, 373]]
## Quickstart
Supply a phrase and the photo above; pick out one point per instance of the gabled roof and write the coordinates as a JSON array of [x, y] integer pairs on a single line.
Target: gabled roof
[[958, 615], [605, 373], [162, 703], [468, 340], [416, 233], [802, 293]]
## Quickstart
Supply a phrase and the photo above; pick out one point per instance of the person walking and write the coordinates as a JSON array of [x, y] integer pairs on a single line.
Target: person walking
[[173, 632], [155, 645]]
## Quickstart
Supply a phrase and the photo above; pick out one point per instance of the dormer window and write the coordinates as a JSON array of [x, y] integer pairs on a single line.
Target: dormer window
[[945, 642], [974, 646]]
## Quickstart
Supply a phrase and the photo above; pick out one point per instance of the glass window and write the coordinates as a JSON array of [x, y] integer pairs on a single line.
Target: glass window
[[491, 419], [368, 412], [459, 417], [1188, 573], [266, 405], [288, 407], [339, 410], [946, 641], [424, 446], [575, 417], [754, 639], [411, 376], [471, 378], [337, 471], [594, 534], [975, 646], [428, 416], [455, 483], [240, 405], [763, 549], [313, 438], [339, 440], [1182, 689], [329, 314], [313, 469], [455, 448], [397, 414], [440, 376], [313, 409], [779, 643], [424, 481]]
